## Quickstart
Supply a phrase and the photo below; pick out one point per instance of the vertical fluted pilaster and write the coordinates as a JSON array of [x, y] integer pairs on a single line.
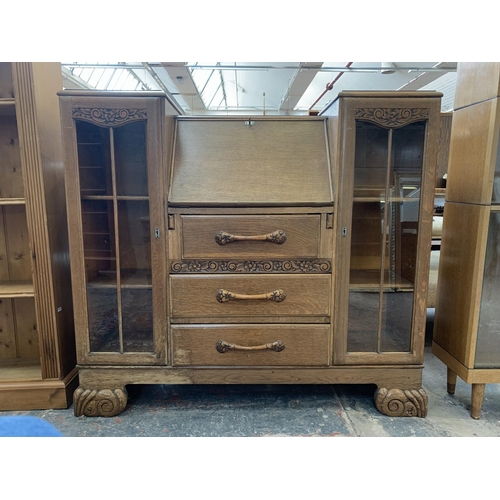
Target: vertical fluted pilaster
[[32, 164]]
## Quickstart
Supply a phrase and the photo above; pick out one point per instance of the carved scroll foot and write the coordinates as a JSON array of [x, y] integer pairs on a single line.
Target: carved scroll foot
[[401, 403], [99, 403]]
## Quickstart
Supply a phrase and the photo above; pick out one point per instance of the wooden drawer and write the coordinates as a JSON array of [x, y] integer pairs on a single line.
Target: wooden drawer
[[302, 236], [303, 345], [197, 296]]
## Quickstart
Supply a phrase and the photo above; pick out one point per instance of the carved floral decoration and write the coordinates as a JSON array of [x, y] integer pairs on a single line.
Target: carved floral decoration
[[251, 266], [392, 117], [109, 116]]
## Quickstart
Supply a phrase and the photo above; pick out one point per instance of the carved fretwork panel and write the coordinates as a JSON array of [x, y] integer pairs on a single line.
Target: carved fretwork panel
[[392, 117], [109, 116], [251, 266]]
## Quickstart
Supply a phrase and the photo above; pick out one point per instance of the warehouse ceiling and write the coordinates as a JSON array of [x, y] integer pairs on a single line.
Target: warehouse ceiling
[[273, 88]]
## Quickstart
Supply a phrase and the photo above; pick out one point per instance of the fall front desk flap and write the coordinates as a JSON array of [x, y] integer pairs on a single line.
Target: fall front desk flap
[[251, 161]]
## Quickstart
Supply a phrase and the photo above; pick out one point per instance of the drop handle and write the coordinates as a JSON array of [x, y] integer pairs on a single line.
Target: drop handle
[[222, 346], [225, 296], [278, 237]]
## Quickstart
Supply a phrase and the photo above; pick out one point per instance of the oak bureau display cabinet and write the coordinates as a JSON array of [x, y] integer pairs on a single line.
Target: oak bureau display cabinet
[[467, 323], [253, 277], [37, 346]]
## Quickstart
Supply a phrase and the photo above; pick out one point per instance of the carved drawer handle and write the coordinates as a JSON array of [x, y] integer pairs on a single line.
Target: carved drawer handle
[[278, 237], [225, 296], [222, 346]]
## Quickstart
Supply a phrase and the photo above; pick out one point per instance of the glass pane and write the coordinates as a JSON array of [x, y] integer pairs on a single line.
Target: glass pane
[[135, 243], [130, 158], [488, 336], [100, 266], [103, 319], [137, 307], [384, 236], [98, 230], [94, 160], [363, 321], [496, 181], [396, 321], [135, 275]]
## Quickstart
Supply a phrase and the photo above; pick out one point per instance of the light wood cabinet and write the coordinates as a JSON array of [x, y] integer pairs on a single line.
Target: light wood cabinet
[[37, 346], [467, 322], [289, 250]]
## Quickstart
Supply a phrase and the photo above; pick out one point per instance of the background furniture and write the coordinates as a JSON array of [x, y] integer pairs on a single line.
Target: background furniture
[[255, 250], [439, 200], [467, 323], [37, 351]]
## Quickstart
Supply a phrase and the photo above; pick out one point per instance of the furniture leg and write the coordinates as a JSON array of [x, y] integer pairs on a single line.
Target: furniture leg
[[451, 379], [477, 400]]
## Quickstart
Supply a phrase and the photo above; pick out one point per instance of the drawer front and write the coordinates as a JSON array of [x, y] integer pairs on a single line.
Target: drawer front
[[200, 236], [228, 345], [245, 295]]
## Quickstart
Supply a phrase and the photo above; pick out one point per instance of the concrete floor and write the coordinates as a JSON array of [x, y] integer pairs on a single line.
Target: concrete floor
[[283, 410]]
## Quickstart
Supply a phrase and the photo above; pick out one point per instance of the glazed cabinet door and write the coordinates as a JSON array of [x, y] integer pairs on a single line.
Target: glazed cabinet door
[[114, 181], [488, 333], [384, 238]]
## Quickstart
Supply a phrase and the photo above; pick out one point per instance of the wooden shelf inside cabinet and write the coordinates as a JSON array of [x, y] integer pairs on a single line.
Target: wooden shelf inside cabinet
[[12, 201], [111, 198], [7, 107], [20, 370], [14, 289], [393, 199], [129, 278], [368, 279]]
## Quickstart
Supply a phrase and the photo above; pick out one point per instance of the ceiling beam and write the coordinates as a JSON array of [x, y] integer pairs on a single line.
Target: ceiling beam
[[328, 69], [299, 84], [71, 81], [427, 77], [182, 79], [163, 87]]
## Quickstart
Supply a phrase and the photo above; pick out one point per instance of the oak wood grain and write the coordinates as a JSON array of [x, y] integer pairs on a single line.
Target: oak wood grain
[[476, 82], [194, 296], [304, 345], [199, 236], [403, 376], [461, 265], [270, 162], [473, 153]]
